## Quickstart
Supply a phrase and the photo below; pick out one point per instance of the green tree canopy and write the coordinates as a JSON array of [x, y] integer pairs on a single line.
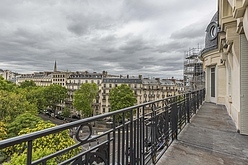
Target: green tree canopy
[[50, 143], [13, 104], [55, 94], [66, 112], [25, 120], [3, 131], [121, 97], [27, 84], [84, 97], [17, 159], [35, 95], [6, 85]]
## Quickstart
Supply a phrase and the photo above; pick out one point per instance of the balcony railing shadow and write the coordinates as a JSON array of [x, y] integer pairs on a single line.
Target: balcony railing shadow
[[135, 135]]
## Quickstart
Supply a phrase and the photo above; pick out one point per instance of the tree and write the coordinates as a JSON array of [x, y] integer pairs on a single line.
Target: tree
[[66, 112], [6, 85], [50, 143], [84, 97], [27, 84], [55, 94], [13, 104], [35, 95], [25, 120], [3, 131], [121, 97], [17, 159]]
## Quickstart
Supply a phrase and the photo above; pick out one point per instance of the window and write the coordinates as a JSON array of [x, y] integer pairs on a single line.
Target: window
[[212, 82]]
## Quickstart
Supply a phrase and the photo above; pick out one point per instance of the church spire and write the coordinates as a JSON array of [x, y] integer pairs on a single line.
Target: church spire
[[55, 67]]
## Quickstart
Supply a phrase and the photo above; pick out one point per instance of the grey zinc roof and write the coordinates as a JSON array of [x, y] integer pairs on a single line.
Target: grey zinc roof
[[38, 75], [150, 81], [122, 80], [211, 44], [85, 76], [167, 82]]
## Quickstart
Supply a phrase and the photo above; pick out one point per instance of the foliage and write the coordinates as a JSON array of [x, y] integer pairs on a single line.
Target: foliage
[[12, 105], [35, 95], [66, 112], [55, 94], [53, 142], [6, 85], [3, 130], [84, 97], [121, 97], [27, 84], [25, 120], [39, 153]]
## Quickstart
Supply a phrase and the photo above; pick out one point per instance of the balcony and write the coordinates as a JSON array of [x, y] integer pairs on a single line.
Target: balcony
[[136, 136], [210, 138]]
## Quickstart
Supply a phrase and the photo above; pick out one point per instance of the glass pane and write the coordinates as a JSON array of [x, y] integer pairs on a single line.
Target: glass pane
[[212, 82]]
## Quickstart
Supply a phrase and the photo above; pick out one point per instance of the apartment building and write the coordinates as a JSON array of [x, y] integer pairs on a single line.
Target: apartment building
[[225, 60], [8, 75], [145, 89], [76, 79], [40, 78], [135, 83]]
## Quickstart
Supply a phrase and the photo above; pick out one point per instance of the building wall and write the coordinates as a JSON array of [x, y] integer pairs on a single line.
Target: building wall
[[145, 89], [226, 57]]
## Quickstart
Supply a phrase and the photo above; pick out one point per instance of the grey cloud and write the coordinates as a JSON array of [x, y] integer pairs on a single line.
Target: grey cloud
[[134, 45], [101, 35], [173, 46], [77, 28], [192, 31]]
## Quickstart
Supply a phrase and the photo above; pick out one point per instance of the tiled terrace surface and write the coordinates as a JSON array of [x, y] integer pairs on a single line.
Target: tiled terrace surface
[[210, 139]]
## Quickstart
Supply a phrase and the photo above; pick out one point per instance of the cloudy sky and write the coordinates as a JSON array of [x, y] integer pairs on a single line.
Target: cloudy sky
[[147, 37]]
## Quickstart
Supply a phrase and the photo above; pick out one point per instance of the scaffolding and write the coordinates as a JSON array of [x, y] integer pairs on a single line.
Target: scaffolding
[[194, 77]]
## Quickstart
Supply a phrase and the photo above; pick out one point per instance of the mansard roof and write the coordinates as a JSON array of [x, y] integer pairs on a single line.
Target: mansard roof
[[122, 80], [211, 38]]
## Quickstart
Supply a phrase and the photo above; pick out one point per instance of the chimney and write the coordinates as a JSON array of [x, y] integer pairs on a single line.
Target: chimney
[[158, 79]]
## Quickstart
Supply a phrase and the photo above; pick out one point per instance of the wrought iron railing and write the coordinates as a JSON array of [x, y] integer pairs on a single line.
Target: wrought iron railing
[[135, 135]]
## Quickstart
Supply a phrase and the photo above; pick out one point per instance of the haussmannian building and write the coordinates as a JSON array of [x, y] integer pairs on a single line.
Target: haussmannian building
[[225, 60], [76, 79], [8, 75], [145, 89], [135, 83]]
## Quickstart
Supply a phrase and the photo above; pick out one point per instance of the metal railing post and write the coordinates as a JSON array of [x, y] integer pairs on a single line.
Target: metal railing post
[[187, 107], [174, 121], [198, 99]]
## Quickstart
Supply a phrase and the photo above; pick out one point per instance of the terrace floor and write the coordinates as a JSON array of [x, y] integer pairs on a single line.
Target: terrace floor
[[210, 138]]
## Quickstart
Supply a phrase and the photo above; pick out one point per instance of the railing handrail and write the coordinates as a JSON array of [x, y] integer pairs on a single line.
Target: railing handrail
[[34, 135]]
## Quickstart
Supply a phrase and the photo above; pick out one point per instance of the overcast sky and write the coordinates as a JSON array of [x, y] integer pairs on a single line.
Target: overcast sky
[[147, 37]]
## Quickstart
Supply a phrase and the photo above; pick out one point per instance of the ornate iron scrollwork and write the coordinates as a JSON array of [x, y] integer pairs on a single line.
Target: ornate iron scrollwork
[[99, 156], [80, 128]]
